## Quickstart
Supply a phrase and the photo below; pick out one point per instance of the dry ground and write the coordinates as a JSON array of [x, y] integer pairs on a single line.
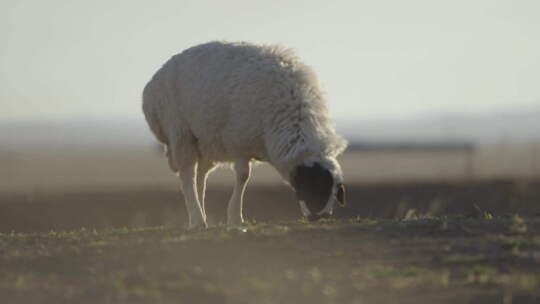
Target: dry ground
[[163, 206], [454, 242], [418, 260]]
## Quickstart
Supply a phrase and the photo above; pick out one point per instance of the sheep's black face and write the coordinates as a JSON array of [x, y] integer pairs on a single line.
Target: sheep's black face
[[316, 190]]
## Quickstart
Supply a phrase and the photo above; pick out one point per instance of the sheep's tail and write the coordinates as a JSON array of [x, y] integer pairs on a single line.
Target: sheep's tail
[[152, 117], [155, 127]]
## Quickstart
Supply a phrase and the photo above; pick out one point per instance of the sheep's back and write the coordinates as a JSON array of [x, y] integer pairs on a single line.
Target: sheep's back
[[238, 100], [221, 93]]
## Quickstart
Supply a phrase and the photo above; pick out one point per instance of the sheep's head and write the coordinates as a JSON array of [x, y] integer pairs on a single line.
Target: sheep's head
[[318, 183]]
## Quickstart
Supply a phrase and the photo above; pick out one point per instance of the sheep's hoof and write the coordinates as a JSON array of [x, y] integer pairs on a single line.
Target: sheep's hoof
[[236, 228], [231, 221], [197, 227]]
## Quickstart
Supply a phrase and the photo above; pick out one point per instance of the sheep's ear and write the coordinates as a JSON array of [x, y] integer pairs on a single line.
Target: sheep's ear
[[340, 195]]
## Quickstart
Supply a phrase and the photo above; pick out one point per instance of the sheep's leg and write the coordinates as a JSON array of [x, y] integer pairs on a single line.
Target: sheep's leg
[[203, 167], [183, 159], [234, 210], [189, 188]]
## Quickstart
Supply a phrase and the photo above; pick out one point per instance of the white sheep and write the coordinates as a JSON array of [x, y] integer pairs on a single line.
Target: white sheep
[[222, 102]]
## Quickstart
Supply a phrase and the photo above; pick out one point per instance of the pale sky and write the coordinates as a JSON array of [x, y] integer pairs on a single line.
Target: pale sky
[[62, 59]]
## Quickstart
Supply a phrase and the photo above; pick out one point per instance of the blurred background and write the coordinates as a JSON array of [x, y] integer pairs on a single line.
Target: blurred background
[[439, 100]]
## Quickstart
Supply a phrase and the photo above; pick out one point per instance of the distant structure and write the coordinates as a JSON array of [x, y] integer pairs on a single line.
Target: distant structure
[[467, 147]]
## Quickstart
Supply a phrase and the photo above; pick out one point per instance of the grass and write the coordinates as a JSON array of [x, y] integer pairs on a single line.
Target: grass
[[419, 259]]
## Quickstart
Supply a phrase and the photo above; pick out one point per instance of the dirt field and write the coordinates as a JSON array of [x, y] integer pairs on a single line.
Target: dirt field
[[418, 260], [394, 243], [430, 238], [156, 206]]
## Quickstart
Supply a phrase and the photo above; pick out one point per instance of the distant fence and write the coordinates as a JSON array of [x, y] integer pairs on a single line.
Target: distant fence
[[466, 147], [520, 159], [60, 168], [483, 160]]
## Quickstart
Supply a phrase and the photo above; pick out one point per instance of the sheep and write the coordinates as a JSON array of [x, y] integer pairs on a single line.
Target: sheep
[[238, 102]]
